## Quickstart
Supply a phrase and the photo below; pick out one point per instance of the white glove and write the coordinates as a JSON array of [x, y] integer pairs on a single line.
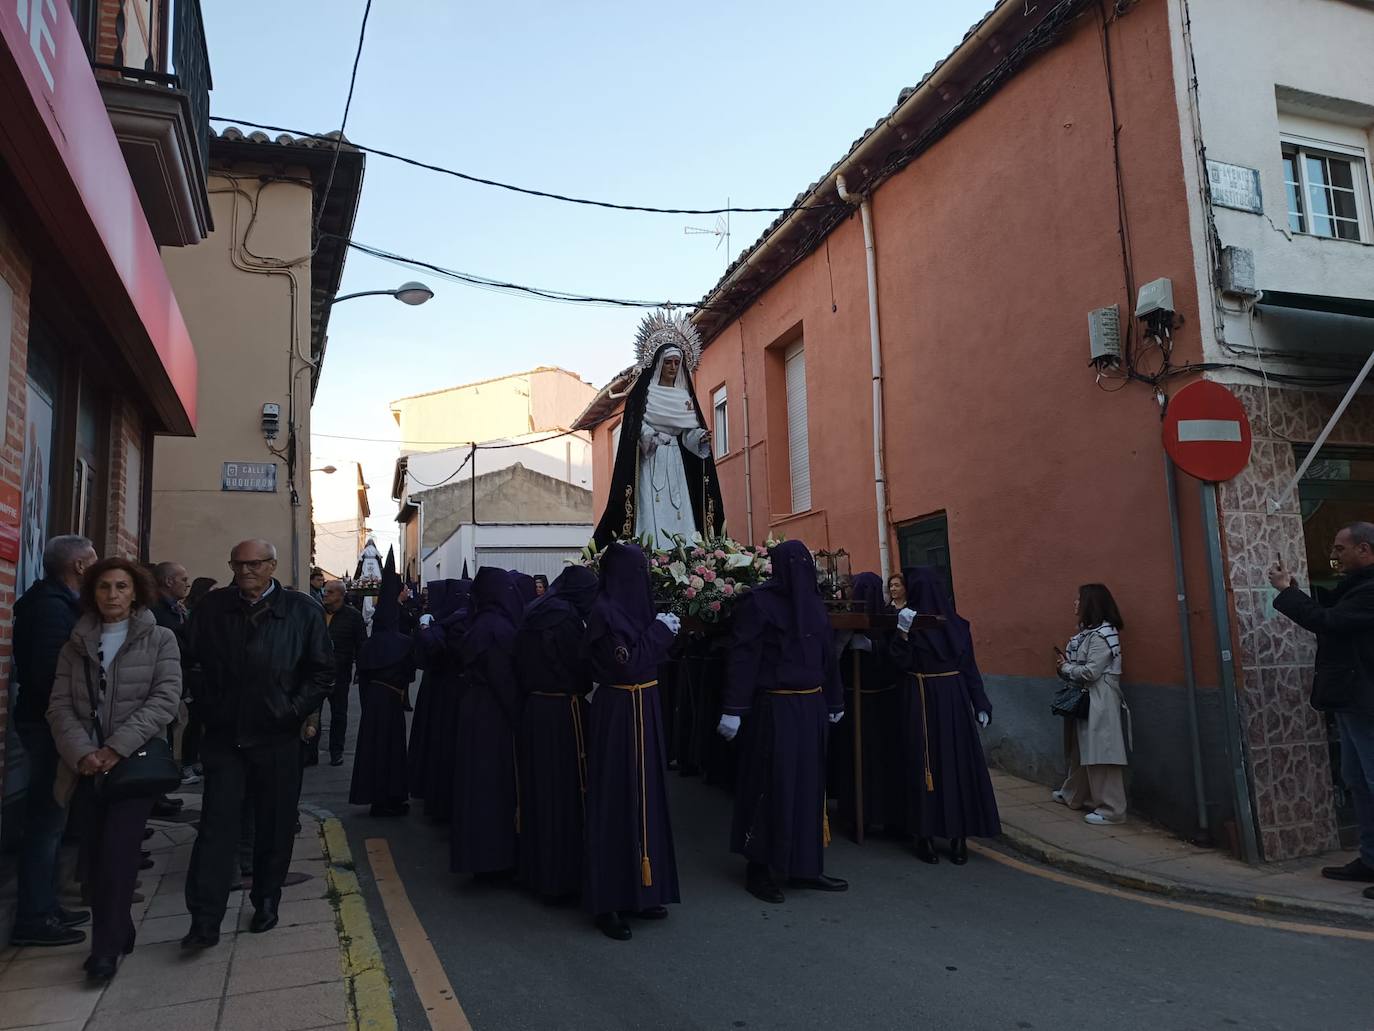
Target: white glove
[[426, 619], [984, 719], [728, 727], [904, 619], [835, 717], [670, 620]]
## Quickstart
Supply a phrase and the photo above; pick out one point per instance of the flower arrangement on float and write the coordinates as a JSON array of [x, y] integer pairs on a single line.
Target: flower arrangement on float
[[700, 579]]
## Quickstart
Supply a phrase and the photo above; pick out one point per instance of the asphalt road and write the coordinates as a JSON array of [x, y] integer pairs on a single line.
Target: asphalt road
[[985, 946]]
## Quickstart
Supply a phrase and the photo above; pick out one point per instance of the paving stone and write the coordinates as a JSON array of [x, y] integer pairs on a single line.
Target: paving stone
[[286, 940], [41, 971], [190, 1016], [286, 1009], [264, 973], [295, 914], [168, 986], [28, 1007]]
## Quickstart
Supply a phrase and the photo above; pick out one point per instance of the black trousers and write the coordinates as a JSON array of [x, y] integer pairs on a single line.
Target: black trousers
[[338, 716], [115, 833], [268, 775]]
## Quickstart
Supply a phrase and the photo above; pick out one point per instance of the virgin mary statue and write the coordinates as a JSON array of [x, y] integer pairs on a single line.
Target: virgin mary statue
[[663, 485]]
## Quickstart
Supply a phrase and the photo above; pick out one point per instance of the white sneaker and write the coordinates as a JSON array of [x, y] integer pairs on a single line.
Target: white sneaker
[[1098, 820], [1059, 797], [189, 775]]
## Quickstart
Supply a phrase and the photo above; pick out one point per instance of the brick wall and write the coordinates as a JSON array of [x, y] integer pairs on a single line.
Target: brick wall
[[15, 271], [121, 518]]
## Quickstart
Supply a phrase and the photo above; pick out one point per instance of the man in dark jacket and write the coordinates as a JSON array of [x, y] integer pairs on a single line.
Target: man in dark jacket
[[266, 663], [1343, 620], [173, 587], [347, 632], [43, 621]]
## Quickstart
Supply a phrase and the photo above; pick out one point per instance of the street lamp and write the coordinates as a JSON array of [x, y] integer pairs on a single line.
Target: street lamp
[[328, 470], [411, 293]]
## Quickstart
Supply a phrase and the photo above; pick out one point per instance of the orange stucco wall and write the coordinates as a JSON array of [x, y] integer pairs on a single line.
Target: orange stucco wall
[[992, 248]]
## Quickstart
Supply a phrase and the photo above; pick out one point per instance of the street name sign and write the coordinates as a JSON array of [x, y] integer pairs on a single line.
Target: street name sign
[[260, 477], [1206, 432]]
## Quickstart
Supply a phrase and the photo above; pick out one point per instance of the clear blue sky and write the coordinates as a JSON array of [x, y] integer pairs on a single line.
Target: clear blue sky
[[674, 106]]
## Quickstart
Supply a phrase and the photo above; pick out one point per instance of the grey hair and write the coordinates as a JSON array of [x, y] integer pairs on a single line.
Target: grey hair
[[265, 545], [62, 552], [335, 583], [163, 571], [1361, 533]]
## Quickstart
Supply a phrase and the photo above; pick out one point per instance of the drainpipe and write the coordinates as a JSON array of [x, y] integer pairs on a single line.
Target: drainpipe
[[748, 443], [875, 348]]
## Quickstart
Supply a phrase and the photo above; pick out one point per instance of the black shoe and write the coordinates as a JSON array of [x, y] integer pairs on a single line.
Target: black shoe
[[73, 917], [200, 937], [1355, 870], [759, 882], [821, 883], [958, 851], [148, 832], [652, 913], [145, 853], [47, 933], [265, 918], [612, 926], [165, 808], [925, 851], [1368, 893], [137, 896], [336, 760], [311, 760], [101, 969], [399, 809], [145, 864]]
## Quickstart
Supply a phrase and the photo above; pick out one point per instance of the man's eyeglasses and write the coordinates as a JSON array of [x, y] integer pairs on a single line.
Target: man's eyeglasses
[[248, 564]]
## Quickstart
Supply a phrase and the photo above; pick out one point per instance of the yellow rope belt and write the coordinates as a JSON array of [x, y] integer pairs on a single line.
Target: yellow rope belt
[[646, 870], [809, 690], [921, 679], [578, 737]]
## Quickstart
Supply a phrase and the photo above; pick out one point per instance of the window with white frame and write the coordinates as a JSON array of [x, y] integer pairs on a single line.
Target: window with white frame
[[798, 431], [720, 423], [1327, 188]]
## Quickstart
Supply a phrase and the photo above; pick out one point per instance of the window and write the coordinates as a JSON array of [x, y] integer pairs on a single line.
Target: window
[[798, 435], [615, 441], [925, 542], [1327, 190], [720, 423]]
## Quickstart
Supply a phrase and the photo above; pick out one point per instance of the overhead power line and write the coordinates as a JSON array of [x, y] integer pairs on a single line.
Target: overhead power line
[[500, 286], [343, 121], [528, 191]]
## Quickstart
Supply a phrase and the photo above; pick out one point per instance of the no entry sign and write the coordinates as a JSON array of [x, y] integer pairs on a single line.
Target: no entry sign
[[1206, 432]]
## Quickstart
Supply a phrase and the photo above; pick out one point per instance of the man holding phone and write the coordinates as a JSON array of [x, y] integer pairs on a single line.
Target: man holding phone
[[1343, 682]]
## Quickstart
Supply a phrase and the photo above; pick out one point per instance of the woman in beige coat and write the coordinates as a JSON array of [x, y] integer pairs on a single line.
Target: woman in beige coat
[[1096, 747], [133, 667]]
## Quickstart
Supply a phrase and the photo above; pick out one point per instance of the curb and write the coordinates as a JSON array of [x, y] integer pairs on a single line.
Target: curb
[[1028, 845], [370, 1007]]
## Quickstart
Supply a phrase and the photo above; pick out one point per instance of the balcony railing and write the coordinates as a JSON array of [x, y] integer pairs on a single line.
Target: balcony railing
[[160, 42]]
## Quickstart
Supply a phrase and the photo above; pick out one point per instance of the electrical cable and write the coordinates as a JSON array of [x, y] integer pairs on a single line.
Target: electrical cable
[[447, 443], [501, 286], [343, 122], [548, 195]]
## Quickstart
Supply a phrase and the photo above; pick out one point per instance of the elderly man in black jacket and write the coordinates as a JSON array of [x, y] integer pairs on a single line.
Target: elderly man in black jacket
[[43, 621], [266, 663], [1343, 620], [347, 631]]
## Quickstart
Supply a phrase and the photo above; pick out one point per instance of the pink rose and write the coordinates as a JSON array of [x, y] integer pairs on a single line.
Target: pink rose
[[700, 570], [691, 592], [697, 582], [719, 553], [715, 606], [709, 575], [727, 589]]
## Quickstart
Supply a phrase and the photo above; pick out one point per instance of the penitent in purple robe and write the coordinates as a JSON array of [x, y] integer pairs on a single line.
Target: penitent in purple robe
[[446, 600], [949, 792], [630, 861], [554, 677], [485, 803], [386, 666], [783, 679]]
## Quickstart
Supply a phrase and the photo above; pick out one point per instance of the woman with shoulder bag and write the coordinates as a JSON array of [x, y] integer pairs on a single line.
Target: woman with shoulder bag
[[1095, 746], [117, 688]]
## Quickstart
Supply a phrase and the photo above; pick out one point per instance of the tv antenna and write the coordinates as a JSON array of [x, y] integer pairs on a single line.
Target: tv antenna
[[721, 231]]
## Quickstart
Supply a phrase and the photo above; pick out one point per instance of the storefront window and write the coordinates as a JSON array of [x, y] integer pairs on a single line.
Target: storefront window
[[40, 472]]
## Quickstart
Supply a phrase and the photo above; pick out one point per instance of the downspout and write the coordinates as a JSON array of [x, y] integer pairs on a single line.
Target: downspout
[[748, 472], [875, 349]]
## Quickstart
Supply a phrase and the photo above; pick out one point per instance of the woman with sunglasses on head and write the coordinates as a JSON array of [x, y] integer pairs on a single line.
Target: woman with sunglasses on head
[[118, 686]]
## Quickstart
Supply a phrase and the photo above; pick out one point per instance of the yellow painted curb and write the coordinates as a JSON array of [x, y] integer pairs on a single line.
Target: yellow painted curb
[[370, 1006]]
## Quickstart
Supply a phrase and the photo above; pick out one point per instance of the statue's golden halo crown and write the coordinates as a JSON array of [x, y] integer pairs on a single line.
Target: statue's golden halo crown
[[666, 327]]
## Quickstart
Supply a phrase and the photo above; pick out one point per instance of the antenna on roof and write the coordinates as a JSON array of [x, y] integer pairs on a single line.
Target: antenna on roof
[[721, 231]]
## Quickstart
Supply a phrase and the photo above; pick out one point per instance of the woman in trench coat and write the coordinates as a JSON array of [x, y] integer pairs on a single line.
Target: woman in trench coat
[[1096, 747]]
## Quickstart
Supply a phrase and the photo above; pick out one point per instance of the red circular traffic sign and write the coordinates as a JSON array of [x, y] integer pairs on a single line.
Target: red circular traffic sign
[[1206, 432]]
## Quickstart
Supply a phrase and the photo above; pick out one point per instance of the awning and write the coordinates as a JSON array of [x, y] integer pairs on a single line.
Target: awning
[[56, 138], [1357, 306]]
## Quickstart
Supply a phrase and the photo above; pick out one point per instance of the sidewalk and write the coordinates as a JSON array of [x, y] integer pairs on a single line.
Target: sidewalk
[[292, 978], [1141, 856]]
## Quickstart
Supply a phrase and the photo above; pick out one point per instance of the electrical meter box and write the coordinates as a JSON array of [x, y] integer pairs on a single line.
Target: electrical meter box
[[1154, 298], [1104, 335]]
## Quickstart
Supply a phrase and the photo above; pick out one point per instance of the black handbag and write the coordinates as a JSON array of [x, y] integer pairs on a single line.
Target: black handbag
[[147, 773], [1071, 702]]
